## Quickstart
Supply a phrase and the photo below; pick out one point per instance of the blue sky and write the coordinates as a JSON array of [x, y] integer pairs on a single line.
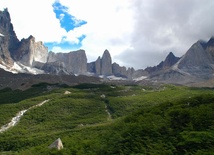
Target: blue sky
[[67, 22]]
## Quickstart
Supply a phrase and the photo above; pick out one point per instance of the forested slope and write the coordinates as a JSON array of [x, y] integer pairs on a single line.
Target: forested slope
[[109, 119]]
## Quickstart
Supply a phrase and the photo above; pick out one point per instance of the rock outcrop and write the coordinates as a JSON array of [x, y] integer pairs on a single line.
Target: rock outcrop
[[30, 51], [169, 61], [95, 67], [8, 39], [198, 61], [103, 66], [196, 65], [55, 68], [117, 70], [106, 64], [75, 62]]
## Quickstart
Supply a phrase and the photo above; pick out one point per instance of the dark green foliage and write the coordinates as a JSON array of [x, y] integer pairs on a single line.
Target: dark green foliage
[[8, 95], [91, 86], [164, 120]]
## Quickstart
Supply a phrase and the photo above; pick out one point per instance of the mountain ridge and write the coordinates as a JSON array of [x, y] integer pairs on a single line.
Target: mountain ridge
[[29, 56]]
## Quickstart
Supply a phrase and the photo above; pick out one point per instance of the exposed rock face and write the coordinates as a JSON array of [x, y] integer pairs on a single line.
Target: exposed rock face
[[102, 66], [75, 62], [106, 68], [196, 65], [4, 52], [194, 57], [56, 68], [130, 72], [30, 51], [209, 48], [8, 38], [97, 66], [197, 61], [118, 71], [90, 67], [170, 60]]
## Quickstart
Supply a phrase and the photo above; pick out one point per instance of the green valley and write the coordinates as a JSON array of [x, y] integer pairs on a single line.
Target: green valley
[[104, 119]]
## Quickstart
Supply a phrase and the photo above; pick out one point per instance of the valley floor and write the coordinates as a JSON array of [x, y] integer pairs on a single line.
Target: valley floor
[[108, 119]]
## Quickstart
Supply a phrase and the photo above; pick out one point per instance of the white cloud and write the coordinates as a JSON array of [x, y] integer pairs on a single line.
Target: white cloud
[[34, 17], [59, 49], [167, 25], [109, 25]]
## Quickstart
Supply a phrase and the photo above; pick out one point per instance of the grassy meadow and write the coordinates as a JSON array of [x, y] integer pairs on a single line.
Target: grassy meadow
[[102, 119]]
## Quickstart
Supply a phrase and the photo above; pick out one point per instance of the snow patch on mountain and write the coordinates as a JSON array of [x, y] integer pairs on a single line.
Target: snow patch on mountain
[[140, 78], [112, 77], [20, 68]]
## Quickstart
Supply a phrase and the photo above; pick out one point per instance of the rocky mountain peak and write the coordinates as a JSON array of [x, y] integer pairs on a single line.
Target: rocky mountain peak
[[6, 29], [210, 49], [210, 42], [106, 53], [194, 57], [170, 60], [30, 51], [203, 43], [5, 21], [106, 63], [170, 56], [8, 39]]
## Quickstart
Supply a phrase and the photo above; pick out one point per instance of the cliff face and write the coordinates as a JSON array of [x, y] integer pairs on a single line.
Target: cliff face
[[198, 60], [106, 64], [8, 38], [75, 62], [98, 66], [30, 51], [118, 71]]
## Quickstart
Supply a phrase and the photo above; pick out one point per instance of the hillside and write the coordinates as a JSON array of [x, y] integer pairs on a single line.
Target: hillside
[[109, 119]]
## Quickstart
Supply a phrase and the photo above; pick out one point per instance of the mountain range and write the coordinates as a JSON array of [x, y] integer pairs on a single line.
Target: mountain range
[[27, 56]]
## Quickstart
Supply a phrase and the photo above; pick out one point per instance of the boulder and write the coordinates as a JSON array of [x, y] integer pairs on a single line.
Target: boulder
[[56, 144]]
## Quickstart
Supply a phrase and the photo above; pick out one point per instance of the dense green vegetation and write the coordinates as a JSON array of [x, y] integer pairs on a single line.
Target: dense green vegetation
[[108, 119]]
